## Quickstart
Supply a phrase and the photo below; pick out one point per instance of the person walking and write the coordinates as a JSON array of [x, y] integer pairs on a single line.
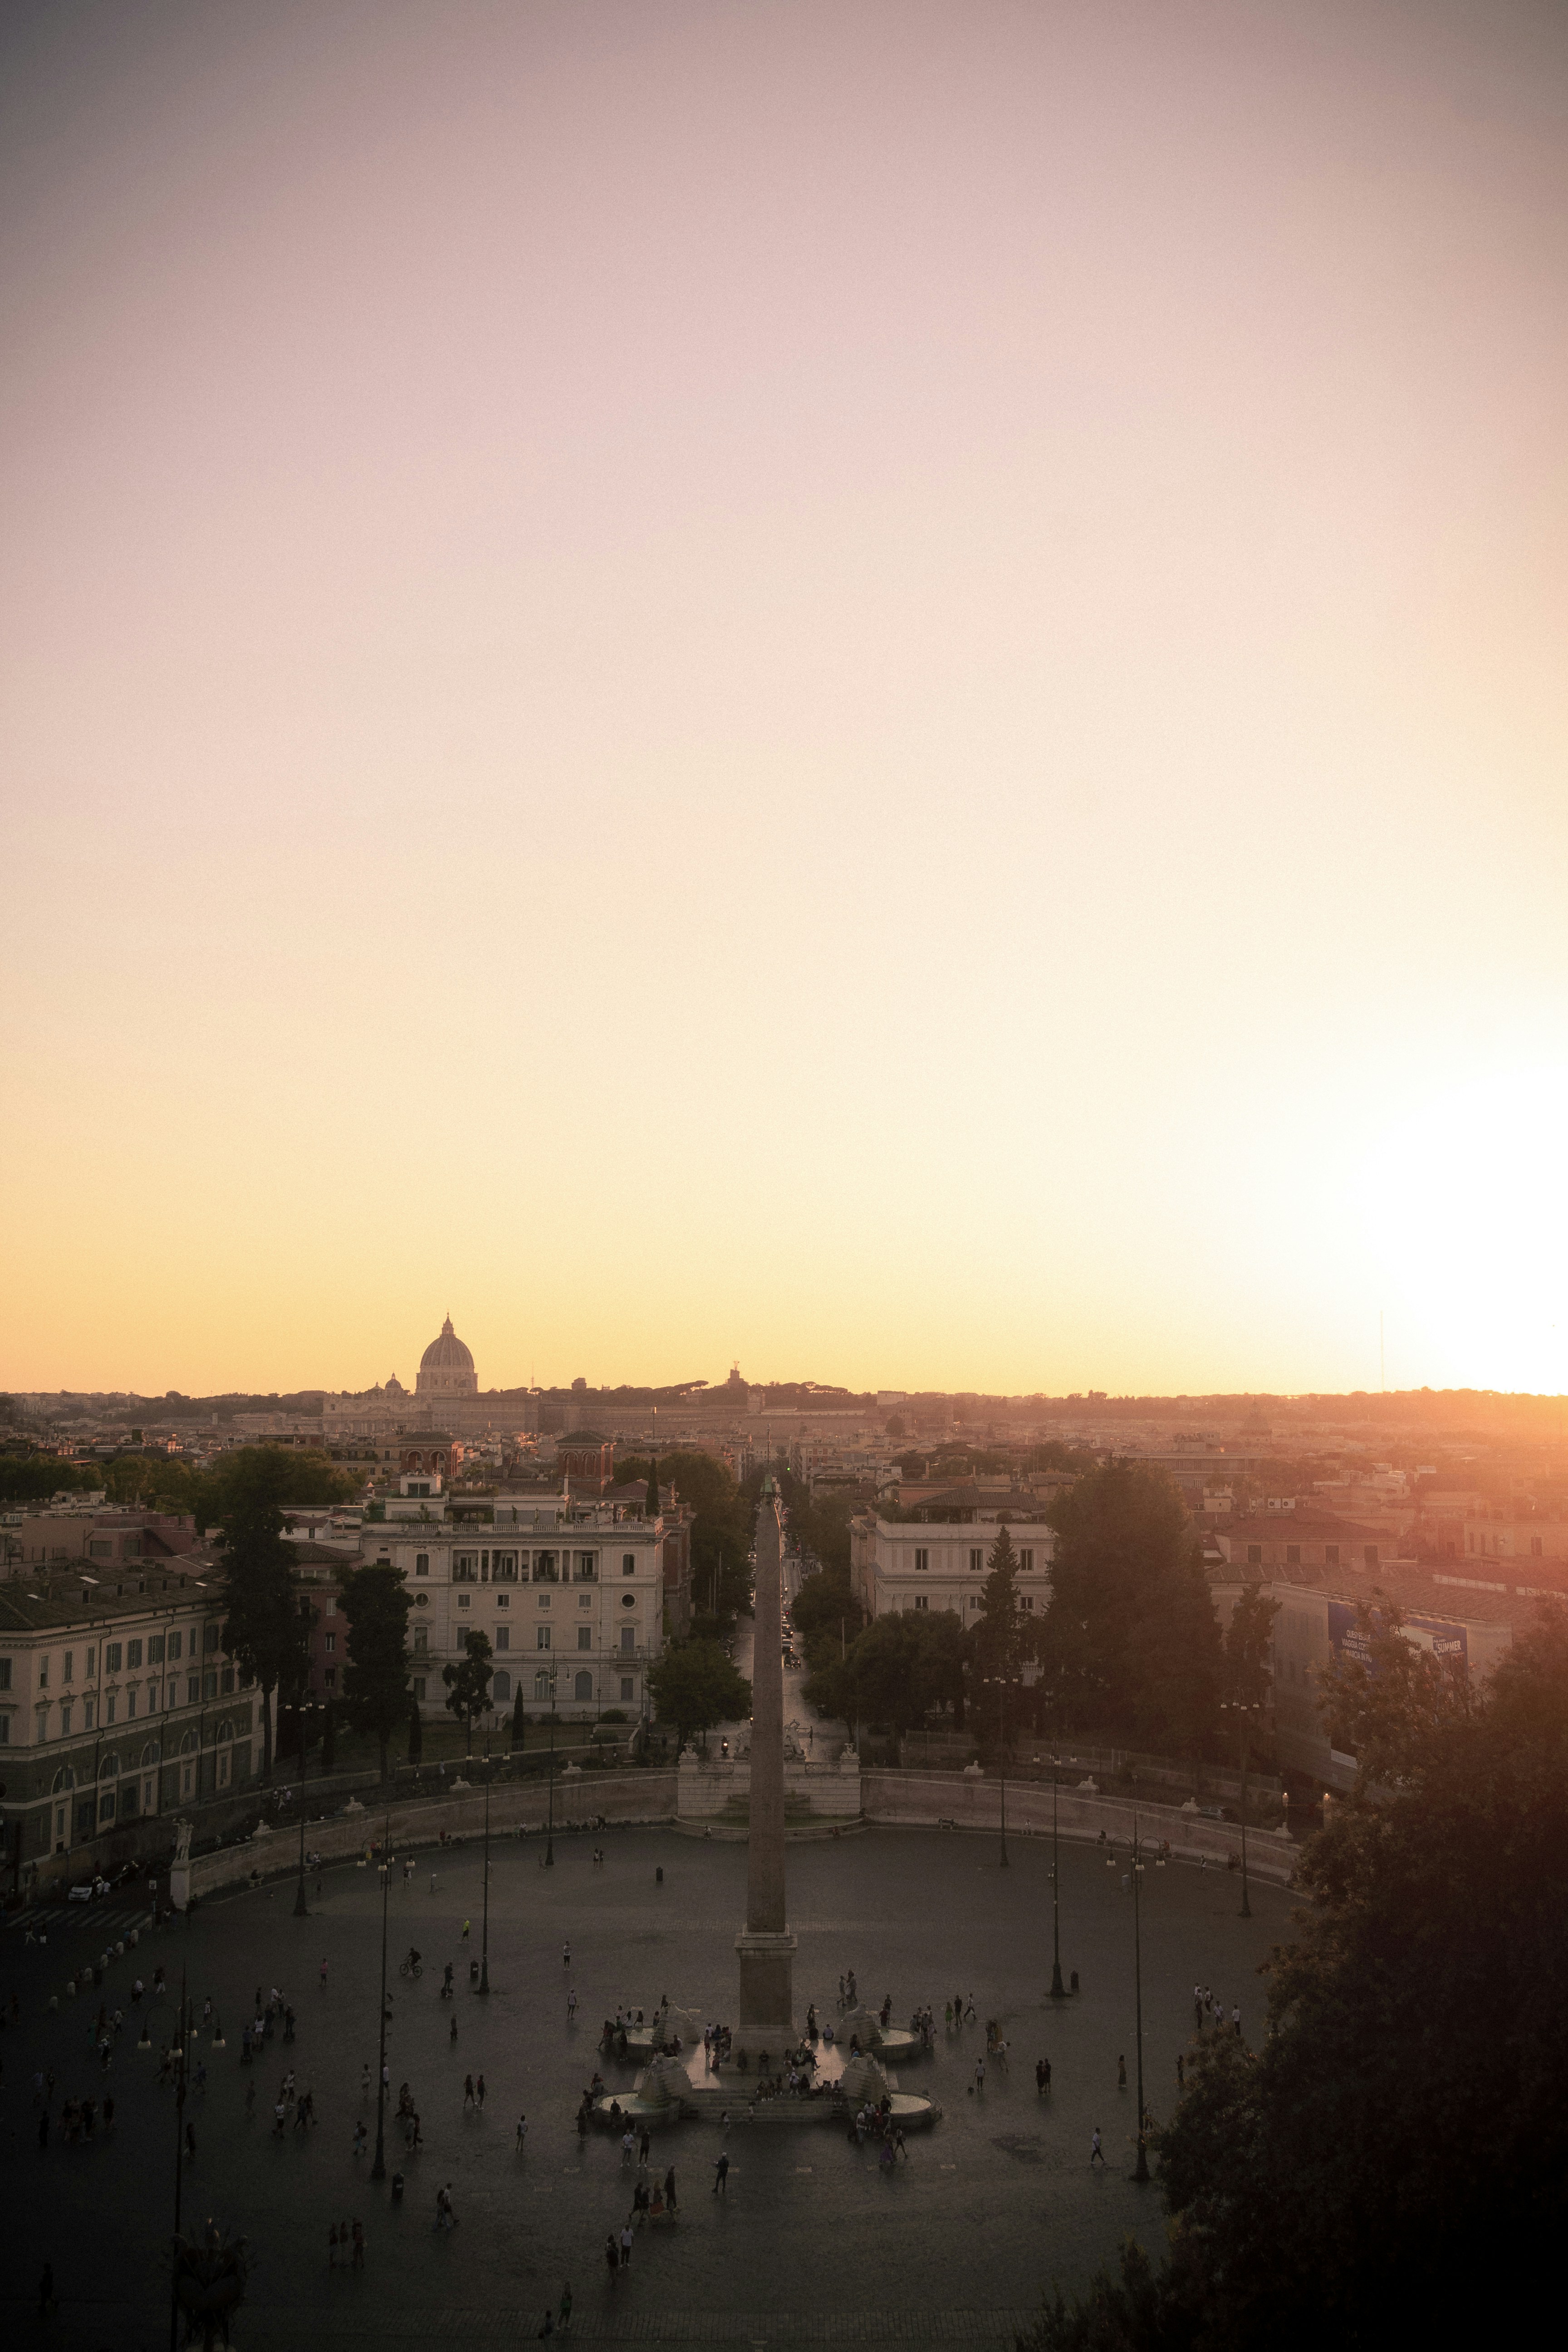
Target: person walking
[[571, 2006], [563, 2315], [980, 2073], [479, 2093], [626, 2245], [1121, 2074], [566, 1955], [1042, 2075], [670, 2197], [612, 2256], [468, 2090], [359, 2245], [1236, 2019], [721, 2175], [521, 2131], [465, 1926], [1095, 2153], [628, 2144], [452, 2035]]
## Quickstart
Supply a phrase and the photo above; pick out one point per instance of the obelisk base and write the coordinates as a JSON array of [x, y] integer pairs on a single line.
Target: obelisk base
[[767, 2005]]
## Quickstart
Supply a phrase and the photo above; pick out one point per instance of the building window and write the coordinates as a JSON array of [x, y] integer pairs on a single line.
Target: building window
[[922, 1560], [421, 1563], [543, 1632], [1368, 1555], [628, 1563], [419, 1688], [1292, 1555], [87, 1713], [1027, 1562], [628, 1637], [209, 1637], [132, 1656], [227, 1682], [68, 1667], [111, 1660], [503, 1637], [1330, 1554], [130, 1706], [923, 1600], [331, 1644], [503, 1601], [4, 1674], [584, 1600], [1255, 1555], [108, 1708], [225, 1758], [106, 1805], [155, 1650], [583, 1686], [501, 1687], [174, 1641], [544, 1568], [1026, 1600], [465, 1601], [584, 1637], [976, 1560], [192, 1691], [41, 1717], [628, 1600], [625, 1686], [65, 1718], [99, 1549]]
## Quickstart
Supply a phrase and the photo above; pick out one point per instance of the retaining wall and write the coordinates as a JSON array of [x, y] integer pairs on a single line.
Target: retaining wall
[[974, 1802], [420, 1823]]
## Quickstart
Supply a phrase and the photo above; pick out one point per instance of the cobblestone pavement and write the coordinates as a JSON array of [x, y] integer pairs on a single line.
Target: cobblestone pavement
[[813, 2243]]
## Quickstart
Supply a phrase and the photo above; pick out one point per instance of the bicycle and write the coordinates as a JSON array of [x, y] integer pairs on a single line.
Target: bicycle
[[411, 1969]]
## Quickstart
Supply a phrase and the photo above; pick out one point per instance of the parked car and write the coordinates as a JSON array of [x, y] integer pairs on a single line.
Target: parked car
[[90, 1890]]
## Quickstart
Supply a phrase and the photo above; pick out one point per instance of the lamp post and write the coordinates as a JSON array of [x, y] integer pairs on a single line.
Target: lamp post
[[1059, 1990], [485, 1920], [1140, 2172], [306, 1706], [1002, 1682], [550, 1831], [378, 2169], [1244, 1710], [182, 2030]]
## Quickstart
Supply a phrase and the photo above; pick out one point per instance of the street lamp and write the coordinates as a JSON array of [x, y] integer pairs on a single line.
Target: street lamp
[[550, 1831], [1142, 2170], [182, 2031], [1245, 1711], [485, 1921], [306, 1706], [378, 2169], [1059, 1990]]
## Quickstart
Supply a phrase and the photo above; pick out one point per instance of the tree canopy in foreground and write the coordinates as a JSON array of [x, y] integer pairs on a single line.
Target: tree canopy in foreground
[[1392, 2164]]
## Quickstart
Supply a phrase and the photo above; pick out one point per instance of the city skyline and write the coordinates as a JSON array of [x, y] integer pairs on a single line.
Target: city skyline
[[859, 685]]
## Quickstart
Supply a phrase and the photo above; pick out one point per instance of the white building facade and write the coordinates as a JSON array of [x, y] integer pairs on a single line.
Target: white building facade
[[943, 1564], [570, 1598]]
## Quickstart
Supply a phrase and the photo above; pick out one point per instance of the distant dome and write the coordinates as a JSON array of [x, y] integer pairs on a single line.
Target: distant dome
[[447, 1369]]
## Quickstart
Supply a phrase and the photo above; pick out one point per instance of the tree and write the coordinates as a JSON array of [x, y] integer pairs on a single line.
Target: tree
[[519, 1720], [650, 1499], [1133, 1624], [826, 1617], [415, 1732], [262, 1632], [996, 1632], [902, 1668], [1407, 2097], [696, 1686], [374, 1600], [722, 1518], [468, 1683]]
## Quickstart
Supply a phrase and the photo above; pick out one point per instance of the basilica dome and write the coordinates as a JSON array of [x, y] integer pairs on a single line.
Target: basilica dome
[[447, 1369]]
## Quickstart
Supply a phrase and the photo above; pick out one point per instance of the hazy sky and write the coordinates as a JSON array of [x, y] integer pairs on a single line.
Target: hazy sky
[[880, 688]]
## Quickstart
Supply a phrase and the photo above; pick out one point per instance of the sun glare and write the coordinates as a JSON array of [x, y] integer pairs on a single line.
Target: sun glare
[[1463, 1207]]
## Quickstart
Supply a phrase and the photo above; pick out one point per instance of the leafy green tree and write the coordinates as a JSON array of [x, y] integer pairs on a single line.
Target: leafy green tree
[[415, 1732], [995, 1634], [722, 1518], [827, 1616], [375, 1601], [1132, 1622], [650, 1498], [262, 1630], [696, 1686], [34, 1477], [519, 1720], [902, 1668], [468, 1683], [1407, 2097]]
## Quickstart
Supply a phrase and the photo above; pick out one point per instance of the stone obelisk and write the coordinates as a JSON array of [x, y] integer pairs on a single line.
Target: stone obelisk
[[766, 1945]]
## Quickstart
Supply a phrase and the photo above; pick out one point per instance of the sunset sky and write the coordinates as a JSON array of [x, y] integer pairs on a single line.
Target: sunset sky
[[880, 688]]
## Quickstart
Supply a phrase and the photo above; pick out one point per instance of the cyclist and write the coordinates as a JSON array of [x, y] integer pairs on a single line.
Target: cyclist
[[412, 1963]]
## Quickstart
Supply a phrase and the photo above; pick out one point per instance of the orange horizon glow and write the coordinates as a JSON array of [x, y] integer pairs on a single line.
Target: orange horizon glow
[[877, 689]]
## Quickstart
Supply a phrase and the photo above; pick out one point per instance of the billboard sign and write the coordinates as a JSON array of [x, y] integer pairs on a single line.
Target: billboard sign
[[1439, 1636]]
